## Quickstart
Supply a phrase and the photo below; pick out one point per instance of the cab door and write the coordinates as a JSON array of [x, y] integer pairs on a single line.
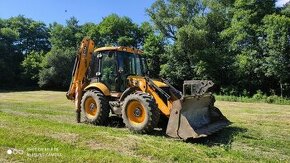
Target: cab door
[[108, 67]]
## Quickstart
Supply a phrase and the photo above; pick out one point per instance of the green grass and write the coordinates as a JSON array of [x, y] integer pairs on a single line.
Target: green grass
[[41, 124], [257, 98]]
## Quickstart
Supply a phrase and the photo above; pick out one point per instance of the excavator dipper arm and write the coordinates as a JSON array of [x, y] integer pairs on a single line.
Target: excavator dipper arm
[[81, 66]]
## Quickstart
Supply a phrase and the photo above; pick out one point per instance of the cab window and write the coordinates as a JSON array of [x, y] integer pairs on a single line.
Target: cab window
[[108, 69]]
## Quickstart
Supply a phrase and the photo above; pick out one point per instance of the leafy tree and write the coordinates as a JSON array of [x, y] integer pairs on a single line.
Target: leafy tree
[[91, 30], [32, 66], [154, 51], [145, 29], [243, 38], [170, 15], [219, 60], [66, 36], [33, 35], [58, 65], [276, 47], [18, 37], [192, 29], [286, 9], [182, 23], [9, 59], [119, 31]]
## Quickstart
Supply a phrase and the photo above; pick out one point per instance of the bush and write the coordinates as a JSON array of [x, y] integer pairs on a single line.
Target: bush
[[259, 95], [32, 66], [229, 91], [272, 99], [58, 65]]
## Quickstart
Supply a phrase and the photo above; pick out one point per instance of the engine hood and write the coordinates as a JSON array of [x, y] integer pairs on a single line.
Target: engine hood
[[159, 83]]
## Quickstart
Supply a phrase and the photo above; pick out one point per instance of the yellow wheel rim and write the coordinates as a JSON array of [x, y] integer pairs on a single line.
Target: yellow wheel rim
[[91, 107], [136, 112]]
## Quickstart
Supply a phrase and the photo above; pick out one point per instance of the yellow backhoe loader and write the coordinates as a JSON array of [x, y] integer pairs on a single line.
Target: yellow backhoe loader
[[113, 81]]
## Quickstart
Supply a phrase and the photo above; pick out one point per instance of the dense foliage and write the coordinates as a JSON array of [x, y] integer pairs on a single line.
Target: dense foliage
[[242, 45]]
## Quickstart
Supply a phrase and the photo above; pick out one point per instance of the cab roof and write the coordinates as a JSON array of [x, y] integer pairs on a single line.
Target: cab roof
[[119, 48]]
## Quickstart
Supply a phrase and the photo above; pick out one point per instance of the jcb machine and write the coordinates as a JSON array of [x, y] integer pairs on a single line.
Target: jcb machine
[[113, 81]]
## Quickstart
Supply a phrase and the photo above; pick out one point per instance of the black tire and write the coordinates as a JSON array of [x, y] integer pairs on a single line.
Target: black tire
[[100, 112], [150, 111]]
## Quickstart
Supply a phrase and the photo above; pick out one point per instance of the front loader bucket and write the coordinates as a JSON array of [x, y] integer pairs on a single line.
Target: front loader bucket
[[194, 117]]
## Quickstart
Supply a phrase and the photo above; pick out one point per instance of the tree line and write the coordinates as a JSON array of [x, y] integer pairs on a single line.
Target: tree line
[[241, 45]]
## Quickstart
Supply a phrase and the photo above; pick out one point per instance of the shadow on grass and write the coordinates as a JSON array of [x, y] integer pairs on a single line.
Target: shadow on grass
[[222, 137], [116, 122]]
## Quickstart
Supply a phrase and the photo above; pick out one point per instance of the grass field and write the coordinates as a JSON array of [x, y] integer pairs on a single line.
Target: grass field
[[39, 127]]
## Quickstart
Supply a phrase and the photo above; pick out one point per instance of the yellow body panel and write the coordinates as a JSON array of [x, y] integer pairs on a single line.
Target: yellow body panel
[[159, 83], [161, 105], [102, 87], [140, 82], [119, 48]]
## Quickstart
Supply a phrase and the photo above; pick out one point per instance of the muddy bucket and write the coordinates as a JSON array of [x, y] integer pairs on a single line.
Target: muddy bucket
[[194, 117]]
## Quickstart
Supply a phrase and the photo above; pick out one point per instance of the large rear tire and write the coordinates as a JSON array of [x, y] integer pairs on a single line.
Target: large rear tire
[[140, 112], [95, 107]]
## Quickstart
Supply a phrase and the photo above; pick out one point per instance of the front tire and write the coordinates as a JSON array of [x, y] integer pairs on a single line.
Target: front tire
[[95, 107], [140, 112]]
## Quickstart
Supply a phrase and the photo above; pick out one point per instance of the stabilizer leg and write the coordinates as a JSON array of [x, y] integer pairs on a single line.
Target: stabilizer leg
[[78, 116]]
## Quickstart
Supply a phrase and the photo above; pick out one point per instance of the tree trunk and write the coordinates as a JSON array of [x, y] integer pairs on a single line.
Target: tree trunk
[[281, 88]]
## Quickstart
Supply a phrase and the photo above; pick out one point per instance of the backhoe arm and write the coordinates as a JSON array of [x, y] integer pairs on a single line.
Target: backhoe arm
[[81, 65]]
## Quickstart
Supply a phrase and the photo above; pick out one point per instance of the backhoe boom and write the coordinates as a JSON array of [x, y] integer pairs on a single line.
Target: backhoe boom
[[81, 65]]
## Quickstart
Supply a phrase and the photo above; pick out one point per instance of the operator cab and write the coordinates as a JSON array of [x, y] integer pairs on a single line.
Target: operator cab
[[112, 66]]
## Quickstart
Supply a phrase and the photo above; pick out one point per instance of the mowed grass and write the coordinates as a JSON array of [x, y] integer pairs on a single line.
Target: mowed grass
[[40, 127]]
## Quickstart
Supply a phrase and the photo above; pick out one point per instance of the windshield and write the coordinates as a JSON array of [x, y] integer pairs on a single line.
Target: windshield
[[131, 64], [114, 67]]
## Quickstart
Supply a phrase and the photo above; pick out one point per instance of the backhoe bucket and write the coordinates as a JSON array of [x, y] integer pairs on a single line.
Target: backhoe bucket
[[195, 116]]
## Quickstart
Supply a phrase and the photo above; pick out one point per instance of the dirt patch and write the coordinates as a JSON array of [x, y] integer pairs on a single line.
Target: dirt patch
[[123, 146], [66, 137]]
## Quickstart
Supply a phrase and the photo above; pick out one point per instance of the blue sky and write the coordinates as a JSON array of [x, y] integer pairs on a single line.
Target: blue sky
[[50, 11], [281, 2]]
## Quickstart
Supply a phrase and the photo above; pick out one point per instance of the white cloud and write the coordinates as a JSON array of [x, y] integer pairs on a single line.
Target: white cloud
[[280, 3]]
